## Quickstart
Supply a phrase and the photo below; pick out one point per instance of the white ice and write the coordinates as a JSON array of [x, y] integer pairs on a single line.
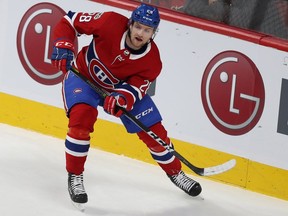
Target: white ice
[[33, 181]]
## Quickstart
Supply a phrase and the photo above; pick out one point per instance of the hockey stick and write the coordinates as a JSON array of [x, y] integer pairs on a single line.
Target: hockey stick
[[208, 171]]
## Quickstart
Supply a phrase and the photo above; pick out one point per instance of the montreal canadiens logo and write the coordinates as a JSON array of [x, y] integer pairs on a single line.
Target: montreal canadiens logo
[[35, 43], [101, 75], [233, 93]]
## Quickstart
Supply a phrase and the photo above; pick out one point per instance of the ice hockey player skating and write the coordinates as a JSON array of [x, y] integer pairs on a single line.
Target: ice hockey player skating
[[123, 60]]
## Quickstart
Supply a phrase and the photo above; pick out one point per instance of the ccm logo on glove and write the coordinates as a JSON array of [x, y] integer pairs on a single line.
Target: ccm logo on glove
[[63, 55]]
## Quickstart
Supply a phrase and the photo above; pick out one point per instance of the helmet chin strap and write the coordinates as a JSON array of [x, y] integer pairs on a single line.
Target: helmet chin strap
[[154, 35]]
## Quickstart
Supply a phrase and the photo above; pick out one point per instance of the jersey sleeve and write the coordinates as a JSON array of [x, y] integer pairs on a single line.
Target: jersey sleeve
[[64, 29], [135, 88], [74, 24], [138, 85]]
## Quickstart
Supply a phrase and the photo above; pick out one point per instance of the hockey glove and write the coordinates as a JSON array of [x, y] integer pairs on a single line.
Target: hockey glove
[[63, 55], [116, 100]]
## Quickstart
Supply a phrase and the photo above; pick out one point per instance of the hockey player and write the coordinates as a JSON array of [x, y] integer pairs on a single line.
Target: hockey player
[[122, 59]]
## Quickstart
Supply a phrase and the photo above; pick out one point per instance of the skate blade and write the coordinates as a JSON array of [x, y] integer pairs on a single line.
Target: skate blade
[[200, 197], [79, 206]]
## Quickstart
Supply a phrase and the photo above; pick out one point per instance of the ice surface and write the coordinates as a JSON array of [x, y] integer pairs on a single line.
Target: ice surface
[[33, 181]]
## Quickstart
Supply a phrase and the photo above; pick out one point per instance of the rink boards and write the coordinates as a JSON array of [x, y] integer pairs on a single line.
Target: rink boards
[[112, 137]]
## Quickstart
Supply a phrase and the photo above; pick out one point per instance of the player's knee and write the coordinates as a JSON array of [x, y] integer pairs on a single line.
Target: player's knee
[[152, 143], [82, 118], [79, 133]]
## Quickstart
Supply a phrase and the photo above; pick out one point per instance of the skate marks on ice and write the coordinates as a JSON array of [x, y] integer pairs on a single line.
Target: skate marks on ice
[[34, 181]]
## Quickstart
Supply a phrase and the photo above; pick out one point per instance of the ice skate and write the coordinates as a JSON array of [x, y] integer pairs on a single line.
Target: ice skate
[[185, 183], [77, 191]]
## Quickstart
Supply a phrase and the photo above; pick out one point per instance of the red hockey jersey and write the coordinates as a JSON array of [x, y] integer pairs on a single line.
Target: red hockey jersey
[[106, 61]]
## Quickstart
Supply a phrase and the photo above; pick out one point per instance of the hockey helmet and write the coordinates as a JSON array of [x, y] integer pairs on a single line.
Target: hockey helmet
[[146, 15]]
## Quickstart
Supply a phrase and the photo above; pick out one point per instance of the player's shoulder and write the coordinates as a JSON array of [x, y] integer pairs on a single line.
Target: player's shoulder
[[116, 16], [154, 49], [155, 58]]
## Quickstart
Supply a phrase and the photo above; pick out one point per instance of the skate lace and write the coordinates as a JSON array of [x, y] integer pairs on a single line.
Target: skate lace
[[183, 181], [77, 184]]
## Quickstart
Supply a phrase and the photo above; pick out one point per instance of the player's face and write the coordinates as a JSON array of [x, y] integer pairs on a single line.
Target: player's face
[[140, 35]]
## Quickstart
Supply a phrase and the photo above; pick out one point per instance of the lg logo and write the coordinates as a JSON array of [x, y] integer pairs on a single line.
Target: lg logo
[[34, 42], [283, 109], [233, 93]]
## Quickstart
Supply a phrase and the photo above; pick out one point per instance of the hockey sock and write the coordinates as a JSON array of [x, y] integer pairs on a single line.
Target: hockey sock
[[167, 161], [81, 121]]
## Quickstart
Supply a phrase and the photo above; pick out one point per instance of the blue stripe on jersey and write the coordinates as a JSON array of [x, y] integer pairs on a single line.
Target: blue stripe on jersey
[[79, 148], [125, 86], [70, 14]]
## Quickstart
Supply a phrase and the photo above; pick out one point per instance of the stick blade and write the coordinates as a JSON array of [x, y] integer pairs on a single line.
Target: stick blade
[[219, 168]]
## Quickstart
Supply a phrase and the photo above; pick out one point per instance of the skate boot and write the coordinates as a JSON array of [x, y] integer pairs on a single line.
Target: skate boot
[[185, 183], [76, 188]]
